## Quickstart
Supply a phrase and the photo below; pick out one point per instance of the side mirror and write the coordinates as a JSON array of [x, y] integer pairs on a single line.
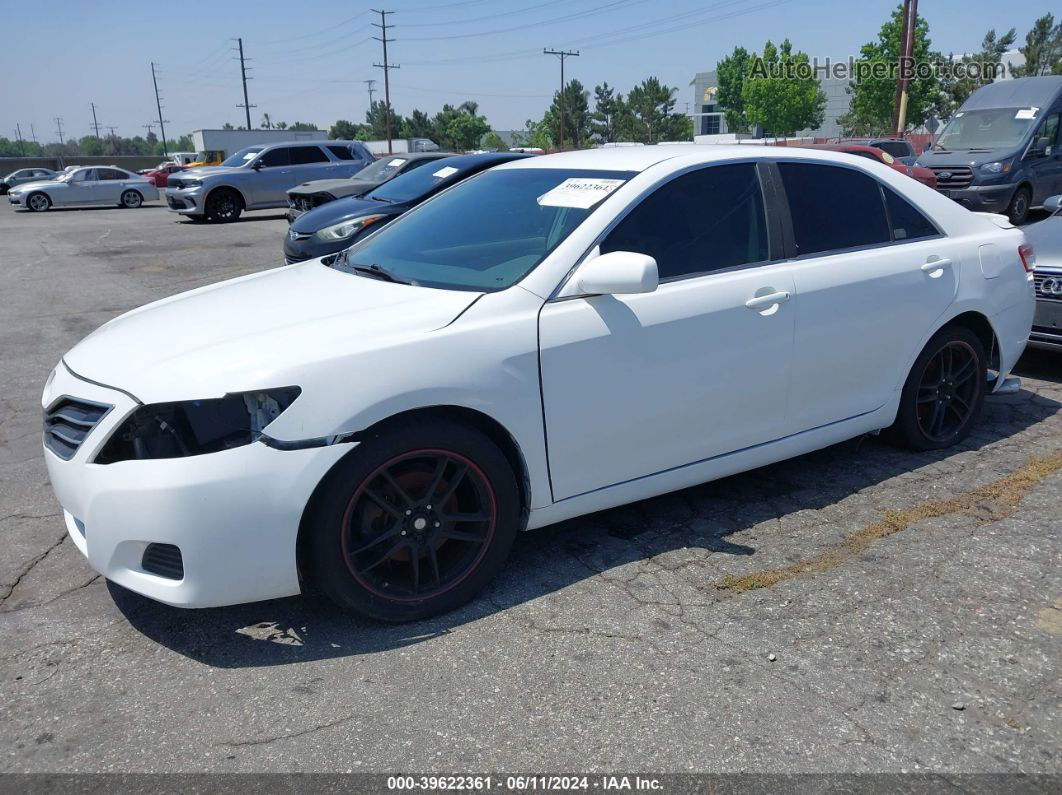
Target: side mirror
[[257, 165], [1053, 203], [615, 273]]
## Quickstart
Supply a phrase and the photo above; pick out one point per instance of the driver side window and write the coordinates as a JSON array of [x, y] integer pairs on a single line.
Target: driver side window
[[281, 156], [707, 220], [1048, 130], [88, 175]]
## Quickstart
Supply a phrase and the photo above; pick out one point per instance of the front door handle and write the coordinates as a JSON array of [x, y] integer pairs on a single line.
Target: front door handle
[[763, 301], [936, 265]]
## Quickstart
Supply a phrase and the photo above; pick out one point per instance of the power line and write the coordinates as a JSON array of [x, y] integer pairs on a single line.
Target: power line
[[158, 104], [577, 15], [243, 73], [95, 123], [386, 66], [524, 10], [560, 97]]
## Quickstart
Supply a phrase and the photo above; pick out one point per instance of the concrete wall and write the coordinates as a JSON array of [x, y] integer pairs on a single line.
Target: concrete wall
[[128, 162]]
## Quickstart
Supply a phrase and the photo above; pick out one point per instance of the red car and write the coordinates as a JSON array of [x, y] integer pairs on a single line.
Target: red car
[[160, 175], [923, 175]]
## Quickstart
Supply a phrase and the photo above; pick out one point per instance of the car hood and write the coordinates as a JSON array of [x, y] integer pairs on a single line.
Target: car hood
[[342, 210], [339, 188], [960, 157], [207, 171], [259, 331]]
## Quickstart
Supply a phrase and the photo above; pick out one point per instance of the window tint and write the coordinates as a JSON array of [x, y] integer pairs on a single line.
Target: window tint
[[894, 148], [907, 223], [702, 221], [87, 175], [1049, 130], [277, 157], [833, 207], [111, 173], [300, 155], [342, 152]]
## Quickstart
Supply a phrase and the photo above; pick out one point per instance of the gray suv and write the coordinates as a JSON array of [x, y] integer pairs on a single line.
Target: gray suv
[[258, 177]]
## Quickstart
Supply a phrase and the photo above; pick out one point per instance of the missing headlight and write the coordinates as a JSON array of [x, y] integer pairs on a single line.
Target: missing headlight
[[195, 427]]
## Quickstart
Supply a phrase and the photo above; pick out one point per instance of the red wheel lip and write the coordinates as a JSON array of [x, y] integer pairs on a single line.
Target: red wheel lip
[[371, 476]]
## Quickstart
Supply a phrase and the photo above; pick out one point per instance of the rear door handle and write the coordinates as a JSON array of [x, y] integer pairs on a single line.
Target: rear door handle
[[936, 265], [764, 301]]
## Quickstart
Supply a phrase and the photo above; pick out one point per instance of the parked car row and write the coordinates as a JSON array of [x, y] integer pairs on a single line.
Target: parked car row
[[376, 422], [85, 185]]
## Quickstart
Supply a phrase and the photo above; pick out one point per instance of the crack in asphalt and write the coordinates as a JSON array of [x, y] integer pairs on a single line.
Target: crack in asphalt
[[30, 567], [289, 736]]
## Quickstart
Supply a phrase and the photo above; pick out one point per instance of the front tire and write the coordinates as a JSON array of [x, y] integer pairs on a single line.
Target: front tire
[[224, 206], [38, 202], [944, 392], [1018, 209], [131, 199], [414, 522]]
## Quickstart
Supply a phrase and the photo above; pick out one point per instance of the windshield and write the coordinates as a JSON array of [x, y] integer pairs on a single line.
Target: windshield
[[382, 169], [65, 176], [994, 128], [414, 184], [243, 156], [486, 233]]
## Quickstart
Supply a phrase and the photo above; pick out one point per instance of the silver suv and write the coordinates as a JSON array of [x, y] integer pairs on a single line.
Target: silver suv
[[258, 177]]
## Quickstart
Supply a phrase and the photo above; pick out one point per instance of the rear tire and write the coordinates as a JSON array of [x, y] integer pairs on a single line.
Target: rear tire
[[944, 392], [131, 199], [1018, 209], [38, 202], [414, 522], [223, 206]]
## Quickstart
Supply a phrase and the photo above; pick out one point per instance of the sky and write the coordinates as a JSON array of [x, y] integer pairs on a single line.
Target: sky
[[309, 59]]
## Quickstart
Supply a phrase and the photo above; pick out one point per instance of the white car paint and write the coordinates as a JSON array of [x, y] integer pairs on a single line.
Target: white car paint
[[79, 186], [639, 394]]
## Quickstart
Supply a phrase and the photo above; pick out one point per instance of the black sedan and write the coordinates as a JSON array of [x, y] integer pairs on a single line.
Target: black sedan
[[303, 198], [337, 225]]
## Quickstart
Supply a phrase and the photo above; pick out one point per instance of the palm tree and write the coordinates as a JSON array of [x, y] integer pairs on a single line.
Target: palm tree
[[267, 123]]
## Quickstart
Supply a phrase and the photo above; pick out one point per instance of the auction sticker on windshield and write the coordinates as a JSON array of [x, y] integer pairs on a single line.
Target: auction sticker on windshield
[[580, 192], [444, 172]]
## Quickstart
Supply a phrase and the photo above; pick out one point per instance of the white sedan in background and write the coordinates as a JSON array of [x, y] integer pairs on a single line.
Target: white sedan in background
[[108, 185], [552, 337]]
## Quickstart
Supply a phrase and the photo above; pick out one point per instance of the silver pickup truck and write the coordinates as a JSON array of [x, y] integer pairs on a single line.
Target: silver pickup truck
[[258, 177]]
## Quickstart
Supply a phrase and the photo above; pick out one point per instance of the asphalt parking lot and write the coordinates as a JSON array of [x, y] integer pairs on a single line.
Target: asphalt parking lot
[[856, 609]]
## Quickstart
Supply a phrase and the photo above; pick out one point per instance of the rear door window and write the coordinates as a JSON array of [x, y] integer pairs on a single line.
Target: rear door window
[[906, 222], [302, 155], [342, 152], [833, 208]]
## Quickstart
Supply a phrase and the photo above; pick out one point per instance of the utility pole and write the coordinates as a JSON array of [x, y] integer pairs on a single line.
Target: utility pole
[[21, 146], [158, 104], [907, 31], [560, 97], [59, 128], [114, 131], [370, 84], [33, 134], [95, 123], [149, 127], [386, 66], [243, 73]]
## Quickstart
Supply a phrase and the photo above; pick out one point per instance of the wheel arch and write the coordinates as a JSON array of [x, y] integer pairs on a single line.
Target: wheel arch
[[224, 186], [488, 425]]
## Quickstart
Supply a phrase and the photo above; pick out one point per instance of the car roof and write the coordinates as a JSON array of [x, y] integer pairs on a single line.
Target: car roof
[[1018, 93], [842, 147], [640, 158]]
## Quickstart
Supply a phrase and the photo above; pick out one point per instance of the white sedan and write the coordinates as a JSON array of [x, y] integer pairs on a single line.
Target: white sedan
[[550, 338], [107, 185]]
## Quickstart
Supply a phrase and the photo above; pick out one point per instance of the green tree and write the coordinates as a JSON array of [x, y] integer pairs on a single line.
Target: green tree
[[1042, 50], [418, 125], [493, 142], [873, 97], [953, 91], [227, 126], [608, 112], [90, 145], [731, 73], [280, 125], [779, 102], [650, 117], [302, 125], [376, 118], [267, 123], [460, 128], [570, 107], [538, 134], [345, 130]]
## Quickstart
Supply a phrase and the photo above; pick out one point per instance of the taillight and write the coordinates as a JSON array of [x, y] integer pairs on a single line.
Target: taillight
[[1028, 257]]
